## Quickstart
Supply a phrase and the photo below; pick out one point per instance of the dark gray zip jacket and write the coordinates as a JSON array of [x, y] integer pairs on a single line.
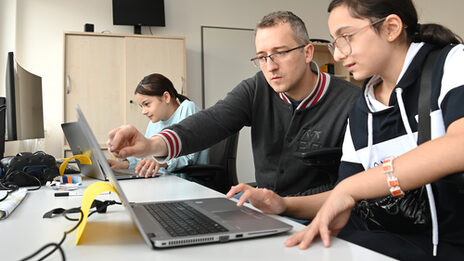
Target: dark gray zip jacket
[[278, 132]]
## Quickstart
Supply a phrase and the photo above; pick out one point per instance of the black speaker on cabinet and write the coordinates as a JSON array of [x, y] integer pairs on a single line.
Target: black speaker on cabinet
[[88, 28]]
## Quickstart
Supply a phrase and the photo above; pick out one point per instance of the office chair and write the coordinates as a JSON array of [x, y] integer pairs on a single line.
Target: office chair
[[221, 173]]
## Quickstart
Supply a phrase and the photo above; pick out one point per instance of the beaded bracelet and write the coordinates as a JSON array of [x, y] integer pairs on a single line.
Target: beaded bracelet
[[392, 180]]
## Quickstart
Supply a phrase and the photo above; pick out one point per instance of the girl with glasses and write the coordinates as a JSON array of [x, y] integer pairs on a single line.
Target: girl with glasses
[[382, 200]]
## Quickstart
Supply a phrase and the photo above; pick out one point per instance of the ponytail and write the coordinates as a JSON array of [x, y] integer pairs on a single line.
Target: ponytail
[[182, 97], [435, 34], [156, 84]]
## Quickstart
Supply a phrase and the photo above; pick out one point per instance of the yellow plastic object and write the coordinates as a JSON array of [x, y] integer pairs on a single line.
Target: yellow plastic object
[[89, 196], [83, 159]]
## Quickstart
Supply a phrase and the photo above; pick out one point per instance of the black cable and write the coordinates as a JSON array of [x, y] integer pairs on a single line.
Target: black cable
[[65, 214], [14, 187], [36, 188], [8, 187], [100, 208], [57, 245], [11, 188], [32, 176], [7, 194]]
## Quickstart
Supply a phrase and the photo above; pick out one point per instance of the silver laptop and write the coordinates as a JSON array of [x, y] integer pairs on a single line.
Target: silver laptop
[[187, 222], [79, 144]]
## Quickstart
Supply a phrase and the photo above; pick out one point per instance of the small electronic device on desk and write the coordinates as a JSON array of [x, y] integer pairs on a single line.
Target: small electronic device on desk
[[71, 167]]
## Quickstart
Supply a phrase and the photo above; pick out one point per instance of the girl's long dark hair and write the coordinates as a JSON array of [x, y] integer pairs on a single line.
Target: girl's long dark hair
[[377, 9], [156, 84]]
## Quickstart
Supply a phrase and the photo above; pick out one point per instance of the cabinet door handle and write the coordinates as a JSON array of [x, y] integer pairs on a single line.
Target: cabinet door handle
[[131, 101], [182, 80], [68, 84]]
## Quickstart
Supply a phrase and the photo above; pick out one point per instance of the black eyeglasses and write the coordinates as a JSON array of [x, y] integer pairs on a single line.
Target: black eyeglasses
[[275, 57], [342, 43]]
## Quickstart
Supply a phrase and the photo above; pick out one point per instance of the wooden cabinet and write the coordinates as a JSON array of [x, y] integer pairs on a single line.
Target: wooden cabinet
[[101, 72], [322, 56]]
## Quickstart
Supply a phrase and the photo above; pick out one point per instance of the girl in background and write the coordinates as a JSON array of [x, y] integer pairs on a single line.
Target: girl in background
[[161, 103]]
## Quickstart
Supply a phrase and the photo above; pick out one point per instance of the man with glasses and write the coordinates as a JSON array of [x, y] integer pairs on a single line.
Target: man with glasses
[[294, 110]]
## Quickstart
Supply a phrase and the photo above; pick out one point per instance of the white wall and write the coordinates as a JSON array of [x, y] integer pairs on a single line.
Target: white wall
[[38, 39], [7, 35]]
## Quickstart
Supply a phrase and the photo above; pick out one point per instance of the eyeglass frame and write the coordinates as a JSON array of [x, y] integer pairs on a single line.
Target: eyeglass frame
[[258, 59], [347, 37]]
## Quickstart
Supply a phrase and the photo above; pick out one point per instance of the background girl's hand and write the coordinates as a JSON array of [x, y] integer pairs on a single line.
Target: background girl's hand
[[117, 164], [148, 166], [330, 219]]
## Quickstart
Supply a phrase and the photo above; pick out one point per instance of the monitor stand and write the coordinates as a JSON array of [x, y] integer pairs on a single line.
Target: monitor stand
[[2, 126], [137, 29]]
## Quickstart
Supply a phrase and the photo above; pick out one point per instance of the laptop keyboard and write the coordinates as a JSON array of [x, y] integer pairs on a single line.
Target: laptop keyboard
[[180, 219]]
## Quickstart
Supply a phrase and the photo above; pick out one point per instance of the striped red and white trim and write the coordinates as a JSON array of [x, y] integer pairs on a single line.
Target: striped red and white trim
[[317, 93], [173, 141], [284, 97], [322, 84]]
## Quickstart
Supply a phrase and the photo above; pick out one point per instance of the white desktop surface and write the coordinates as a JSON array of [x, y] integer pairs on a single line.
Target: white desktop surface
[[113, 236]]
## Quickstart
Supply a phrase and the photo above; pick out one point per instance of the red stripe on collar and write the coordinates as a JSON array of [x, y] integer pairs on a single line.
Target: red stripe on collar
[[316, 94], [319, 91], [284, 97]]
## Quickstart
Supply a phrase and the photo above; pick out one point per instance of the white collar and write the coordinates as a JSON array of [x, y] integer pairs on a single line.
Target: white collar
[[372, 103]]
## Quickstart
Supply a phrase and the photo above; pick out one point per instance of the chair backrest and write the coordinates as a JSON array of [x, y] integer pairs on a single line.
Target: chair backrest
[[220, 173], [224, 154]]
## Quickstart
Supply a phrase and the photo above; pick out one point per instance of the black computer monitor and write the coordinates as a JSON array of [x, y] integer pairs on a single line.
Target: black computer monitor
[[2, 126], [24, 109], [138, 13]]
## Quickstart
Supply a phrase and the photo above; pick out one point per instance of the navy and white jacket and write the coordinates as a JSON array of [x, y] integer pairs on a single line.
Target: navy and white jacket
[[376, 131]]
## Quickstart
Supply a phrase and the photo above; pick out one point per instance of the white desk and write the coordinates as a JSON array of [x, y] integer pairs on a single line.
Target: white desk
[[112, 236]]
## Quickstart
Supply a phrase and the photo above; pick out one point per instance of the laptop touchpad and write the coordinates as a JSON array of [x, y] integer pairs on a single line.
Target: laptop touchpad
[[239, 218]]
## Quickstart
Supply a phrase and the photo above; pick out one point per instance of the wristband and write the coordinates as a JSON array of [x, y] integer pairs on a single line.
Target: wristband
[[392, 180]]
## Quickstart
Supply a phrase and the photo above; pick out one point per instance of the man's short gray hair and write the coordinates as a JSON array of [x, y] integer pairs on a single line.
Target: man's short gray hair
[[297, 25]]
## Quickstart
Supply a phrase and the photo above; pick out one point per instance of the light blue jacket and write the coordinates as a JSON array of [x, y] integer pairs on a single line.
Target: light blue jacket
[[185, 109]]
